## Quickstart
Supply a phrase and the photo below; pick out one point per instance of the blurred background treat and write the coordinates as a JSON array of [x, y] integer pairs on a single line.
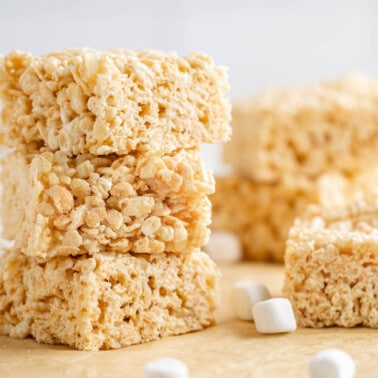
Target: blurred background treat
[[291, 148]]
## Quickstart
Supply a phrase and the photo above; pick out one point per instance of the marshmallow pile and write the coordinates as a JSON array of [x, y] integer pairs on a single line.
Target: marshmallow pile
[[252, 300]]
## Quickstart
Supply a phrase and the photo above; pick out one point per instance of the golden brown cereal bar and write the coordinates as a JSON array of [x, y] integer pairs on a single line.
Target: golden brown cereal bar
[[82, 100], [106, 301], [58, 205], [331, 267]]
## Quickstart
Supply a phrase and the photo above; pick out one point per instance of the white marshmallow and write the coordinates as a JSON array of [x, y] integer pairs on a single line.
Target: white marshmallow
[[166, 367], [274, 315], [224, 247], [332, 363], [6, 244], [244, 295], [4, 151]]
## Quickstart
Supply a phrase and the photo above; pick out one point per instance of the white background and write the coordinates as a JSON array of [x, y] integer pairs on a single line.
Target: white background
[[264, 43]]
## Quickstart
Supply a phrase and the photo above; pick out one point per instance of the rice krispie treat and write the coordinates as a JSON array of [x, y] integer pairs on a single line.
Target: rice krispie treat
[[261, 214], [82, 100], [331, 267], [306, 131], [106, 301], [58, 205]]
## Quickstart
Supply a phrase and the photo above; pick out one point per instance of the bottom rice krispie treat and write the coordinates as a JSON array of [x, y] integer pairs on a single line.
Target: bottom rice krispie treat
[[106, 301], [331, 267]]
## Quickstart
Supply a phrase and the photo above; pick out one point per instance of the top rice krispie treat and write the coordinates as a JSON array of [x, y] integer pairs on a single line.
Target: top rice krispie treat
[[82, 100], [306, 131]]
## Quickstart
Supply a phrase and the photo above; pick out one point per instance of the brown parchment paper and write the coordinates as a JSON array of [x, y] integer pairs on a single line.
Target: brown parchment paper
[[233, 348]]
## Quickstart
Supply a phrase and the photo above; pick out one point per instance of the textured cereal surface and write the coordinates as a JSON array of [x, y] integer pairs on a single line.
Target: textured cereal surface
[[306, 131], [107, 301], [82, 100], [261, 214], [58, 205], [331, 267]]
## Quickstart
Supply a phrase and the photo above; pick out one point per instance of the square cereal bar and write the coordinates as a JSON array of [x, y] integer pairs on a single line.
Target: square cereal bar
[[306, 131], [261, 214], [82, 100], [106, 301], [331, 267], [58, 205]]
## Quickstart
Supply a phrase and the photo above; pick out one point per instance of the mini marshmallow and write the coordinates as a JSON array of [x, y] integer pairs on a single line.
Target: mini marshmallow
[[6, 244], [166, 367], [224, 247], [244, 295], [332, 363], [274, 315]]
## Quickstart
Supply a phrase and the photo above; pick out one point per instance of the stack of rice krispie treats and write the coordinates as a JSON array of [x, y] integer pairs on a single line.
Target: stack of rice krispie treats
[[291, 148], [105, 195]]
